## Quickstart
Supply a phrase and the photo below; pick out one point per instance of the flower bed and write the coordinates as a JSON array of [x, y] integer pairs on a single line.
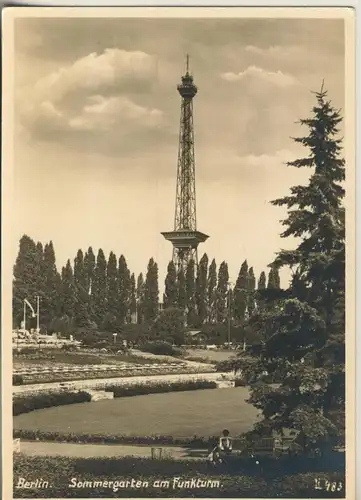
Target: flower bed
[[130, 371]]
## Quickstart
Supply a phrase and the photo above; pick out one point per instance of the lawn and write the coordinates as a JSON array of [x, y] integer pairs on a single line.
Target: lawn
[[182, 414], [210, 354]]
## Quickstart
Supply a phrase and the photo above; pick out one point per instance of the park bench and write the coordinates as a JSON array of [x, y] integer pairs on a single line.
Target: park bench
[[265, 446]]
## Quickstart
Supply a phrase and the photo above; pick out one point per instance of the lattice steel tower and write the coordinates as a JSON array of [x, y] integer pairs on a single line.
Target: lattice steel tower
[[185, 237]]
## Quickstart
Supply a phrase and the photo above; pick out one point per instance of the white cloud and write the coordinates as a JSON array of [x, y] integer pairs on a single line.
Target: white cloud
[[94, 72], [92, 94], [102, 113], [277, 78]]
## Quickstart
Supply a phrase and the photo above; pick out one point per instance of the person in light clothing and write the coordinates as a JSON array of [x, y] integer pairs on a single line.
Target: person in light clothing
[[222, 449]]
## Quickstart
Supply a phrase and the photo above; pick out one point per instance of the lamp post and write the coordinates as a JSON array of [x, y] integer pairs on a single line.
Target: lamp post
[[38, 314]]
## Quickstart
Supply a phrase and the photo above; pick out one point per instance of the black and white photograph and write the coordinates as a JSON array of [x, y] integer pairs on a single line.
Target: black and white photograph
[[180, 252]]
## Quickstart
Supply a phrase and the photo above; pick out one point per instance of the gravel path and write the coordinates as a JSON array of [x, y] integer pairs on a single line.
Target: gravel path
[[39, 448], [81, 384]]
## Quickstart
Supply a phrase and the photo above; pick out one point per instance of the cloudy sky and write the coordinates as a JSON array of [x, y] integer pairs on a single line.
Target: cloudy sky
[[97, 117]]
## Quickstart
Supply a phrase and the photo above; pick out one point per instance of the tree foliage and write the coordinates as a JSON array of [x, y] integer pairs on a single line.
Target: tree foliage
[[169, 326], [202, 289], [212, 292], [222, 293], [151, 292], [304, 348], [170, 293], [241, 294]]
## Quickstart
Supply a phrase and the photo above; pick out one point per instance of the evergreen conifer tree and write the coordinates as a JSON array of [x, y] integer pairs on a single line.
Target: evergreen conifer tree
[[140, 299], [89, 264], [222, 293], [133, 298], [123, 290], [192, 319], [99, 288], [170, 293], [305, 348], [25, 277], [81, 291], [241, 294], [251, 286], [151, 292], [112, 293], [212, 292], [181, 290], [260, 287], [68, 291], [51, 304], [202, 289]]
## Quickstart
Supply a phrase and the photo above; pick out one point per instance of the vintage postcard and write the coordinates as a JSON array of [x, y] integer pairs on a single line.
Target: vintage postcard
[[178, 274]]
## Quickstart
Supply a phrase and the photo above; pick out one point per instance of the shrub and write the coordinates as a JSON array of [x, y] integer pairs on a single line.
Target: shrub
[[240, 382], [162, 348], [17, 380], [26, 404], [141, 389]]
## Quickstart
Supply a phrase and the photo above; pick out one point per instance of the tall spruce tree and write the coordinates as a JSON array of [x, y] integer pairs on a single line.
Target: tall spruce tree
[[222, 293], [112, 293], [140, 299], [192, 319], [240, 294], [170, 293], [123, 290], [212, 292], [151, 292], [306, 347], [99, 288], [251, 286], [202, 289], [82, 318]]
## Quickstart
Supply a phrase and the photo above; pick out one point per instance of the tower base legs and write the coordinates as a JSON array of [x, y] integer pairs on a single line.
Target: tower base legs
[[181, 257]]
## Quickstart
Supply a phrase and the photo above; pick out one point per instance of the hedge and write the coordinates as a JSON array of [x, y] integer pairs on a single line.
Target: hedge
[[161, 348], [18, 380], [26, 403], [268, 479], [62, 437], [141, 389]]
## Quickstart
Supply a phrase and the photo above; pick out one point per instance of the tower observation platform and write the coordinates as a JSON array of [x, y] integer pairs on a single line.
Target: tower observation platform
[[185, 237]]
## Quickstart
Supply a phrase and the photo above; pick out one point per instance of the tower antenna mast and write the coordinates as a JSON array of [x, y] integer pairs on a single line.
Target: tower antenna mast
[[185, 237]]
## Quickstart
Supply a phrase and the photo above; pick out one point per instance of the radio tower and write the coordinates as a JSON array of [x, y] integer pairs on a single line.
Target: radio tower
[[185, 237]]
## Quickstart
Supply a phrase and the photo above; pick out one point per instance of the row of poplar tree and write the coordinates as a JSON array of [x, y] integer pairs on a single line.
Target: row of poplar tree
[[104, 294]]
